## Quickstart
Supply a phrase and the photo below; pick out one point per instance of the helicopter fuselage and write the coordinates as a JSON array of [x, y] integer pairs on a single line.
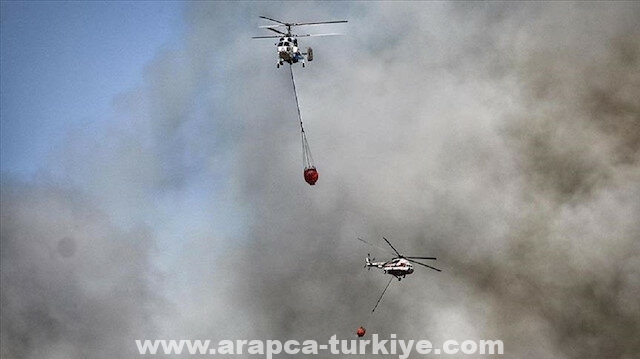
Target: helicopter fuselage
[[288, 51], [292, 56], [397, 267]]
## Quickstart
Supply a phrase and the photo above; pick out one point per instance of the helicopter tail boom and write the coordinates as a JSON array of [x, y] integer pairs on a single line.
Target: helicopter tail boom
[[370, 263]]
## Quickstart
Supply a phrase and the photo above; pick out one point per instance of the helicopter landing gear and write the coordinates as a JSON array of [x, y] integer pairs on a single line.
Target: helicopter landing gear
[[303, 64]]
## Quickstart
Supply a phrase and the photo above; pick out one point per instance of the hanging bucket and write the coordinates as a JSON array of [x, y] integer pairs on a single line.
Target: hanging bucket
[[311, 175]]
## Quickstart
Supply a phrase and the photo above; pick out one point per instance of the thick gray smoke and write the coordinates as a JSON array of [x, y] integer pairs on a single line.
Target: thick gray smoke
[[73, 285], [502, 138]]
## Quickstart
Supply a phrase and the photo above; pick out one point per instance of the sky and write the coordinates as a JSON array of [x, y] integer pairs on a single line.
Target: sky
[[62, 64], [152, 178]]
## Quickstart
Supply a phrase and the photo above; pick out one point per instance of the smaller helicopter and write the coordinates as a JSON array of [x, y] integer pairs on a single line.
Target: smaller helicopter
[[399, 266], [287, 45]]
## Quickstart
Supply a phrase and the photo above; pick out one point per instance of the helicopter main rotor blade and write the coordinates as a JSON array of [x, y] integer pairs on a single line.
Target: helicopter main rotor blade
[[433, 258], [307, 35], [426, 265], [266, 37], [363, 241], [278, 31], [303, 23], [395, 250], [317, 23], [374, 245], [274, 20]]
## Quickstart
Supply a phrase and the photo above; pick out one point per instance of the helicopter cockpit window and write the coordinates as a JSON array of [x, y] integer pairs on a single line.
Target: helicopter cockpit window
[[279, 44]]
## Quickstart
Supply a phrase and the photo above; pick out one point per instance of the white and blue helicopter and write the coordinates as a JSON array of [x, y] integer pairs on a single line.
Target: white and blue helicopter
[[287, 45]]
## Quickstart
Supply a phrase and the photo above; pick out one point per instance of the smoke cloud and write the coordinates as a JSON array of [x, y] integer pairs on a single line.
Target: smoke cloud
[[73, 284], [505, 142]]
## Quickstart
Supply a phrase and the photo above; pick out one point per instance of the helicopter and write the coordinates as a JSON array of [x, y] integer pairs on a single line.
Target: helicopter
[[400, 266], [287, 45]]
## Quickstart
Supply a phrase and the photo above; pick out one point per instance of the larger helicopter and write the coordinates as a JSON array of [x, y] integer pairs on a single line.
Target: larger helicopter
[[400, 266], [287, 45]]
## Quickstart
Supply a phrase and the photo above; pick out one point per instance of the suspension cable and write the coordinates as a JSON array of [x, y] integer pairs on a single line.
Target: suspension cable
[[307, 158], [295, 93], [379, 299]]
